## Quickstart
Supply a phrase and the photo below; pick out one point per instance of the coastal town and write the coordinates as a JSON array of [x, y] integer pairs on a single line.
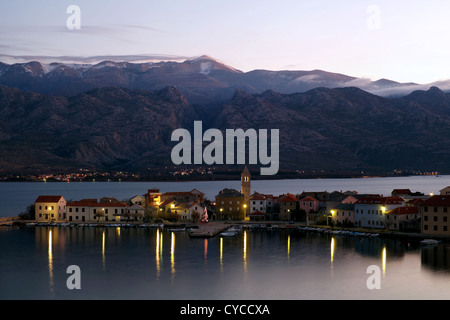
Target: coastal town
[[402, 211]]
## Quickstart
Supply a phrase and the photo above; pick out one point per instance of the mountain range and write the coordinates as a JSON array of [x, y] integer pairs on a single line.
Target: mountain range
[[202, 80], [120, 116]]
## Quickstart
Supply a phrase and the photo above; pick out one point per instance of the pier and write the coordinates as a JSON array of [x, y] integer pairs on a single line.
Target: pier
[[208, 230]]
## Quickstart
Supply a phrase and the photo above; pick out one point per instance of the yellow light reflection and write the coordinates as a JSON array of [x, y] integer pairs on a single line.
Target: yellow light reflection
[[332, 249], [383, 260], [103, 249], [221, 254], [118, 231], [289, 246], [158, 252], [205, 245], [50, 260], [245, 250], [172, 253]]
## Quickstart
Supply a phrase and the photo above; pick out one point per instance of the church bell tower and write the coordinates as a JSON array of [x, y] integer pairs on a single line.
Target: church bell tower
[[246, 185]]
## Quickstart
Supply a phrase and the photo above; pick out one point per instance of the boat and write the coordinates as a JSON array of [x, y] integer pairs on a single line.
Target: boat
[[177, 230], [430, 241], [228, 234]]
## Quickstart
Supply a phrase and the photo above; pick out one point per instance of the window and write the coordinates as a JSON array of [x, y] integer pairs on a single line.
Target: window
[[425, 218], [425, 227], [435, 209], [435, 228], [435, 218], [425, 209]]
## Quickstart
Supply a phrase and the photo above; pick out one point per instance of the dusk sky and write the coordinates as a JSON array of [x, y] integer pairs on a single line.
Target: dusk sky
[[404, 41]]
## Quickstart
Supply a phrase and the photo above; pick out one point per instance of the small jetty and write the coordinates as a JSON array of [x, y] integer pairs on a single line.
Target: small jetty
[[208, 230]]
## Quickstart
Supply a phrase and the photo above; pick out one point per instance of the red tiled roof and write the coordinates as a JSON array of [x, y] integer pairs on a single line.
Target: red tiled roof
[[109, 204], [48, 199], [258, 197], [416, 202], [89, 200], [402, 191], [166, 202], [309, 198], [439, 200], [289, 198], [96, 204], [404, 210], [178, 193]]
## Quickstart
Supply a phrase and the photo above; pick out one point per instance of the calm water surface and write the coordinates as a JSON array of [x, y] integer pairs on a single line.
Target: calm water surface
[[285, 264], [15, 197]]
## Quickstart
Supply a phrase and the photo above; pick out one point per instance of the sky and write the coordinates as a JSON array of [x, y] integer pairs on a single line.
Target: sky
[[404, 41]]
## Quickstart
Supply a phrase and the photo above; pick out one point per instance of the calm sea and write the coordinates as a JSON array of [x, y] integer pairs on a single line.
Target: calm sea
[[151, 264], [15, 197]]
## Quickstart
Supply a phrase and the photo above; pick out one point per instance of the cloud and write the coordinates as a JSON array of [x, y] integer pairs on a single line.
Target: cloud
[[91, 59]]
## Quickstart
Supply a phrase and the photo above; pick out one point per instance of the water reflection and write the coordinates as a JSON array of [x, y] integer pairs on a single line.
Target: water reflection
[[172, 254], [158, 252], [436, 258], [332, 249], [221, 254], [245, 251], [330, 256], [103, 249], [289, 246], [205, 246], [50, 260]]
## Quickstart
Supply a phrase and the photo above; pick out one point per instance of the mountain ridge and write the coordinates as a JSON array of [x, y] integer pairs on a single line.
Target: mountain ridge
[[330, 130], [202, 79]]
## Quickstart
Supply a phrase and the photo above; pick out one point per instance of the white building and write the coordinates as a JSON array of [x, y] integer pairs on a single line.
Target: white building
[[50, 208], [186, 210], [370, 212], [91, 210]]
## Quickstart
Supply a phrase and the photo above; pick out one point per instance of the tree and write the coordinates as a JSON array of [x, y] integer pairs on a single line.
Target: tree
[[99, 213], [195, 216], [28, 214], [150, 213]]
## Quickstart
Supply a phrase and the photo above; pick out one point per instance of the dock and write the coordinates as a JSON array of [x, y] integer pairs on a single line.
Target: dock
[[208, 230]]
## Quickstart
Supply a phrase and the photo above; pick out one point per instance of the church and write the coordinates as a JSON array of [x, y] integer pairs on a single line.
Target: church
[[232, 204]]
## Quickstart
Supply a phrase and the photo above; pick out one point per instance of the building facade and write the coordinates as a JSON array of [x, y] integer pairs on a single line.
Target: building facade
[[403, 218], [309, 204], [90, 210], [50, 208], [370, 212], [288, 204], [435, 215], [230, 205]]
